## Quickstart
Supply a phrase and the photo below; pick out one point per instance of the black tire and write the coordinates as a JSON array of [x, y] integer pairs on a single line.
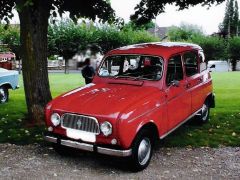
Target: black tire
[[203, 116], [144, 139], [4, 95]]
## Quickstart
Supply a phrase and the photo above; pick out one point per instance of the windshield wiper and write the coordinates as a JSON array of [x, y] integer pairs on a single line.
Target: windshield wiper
[[138, 77], [127, 75], [152, 74], [122, 76]]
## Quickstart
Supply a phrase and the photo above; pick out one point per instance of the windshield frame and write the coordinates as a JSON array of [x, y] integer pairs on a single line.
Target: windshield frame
[[127, 78]]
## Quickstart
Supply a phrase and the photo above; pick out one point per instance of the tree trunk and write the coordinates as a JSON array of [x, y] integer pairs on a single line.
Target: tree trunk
[[234, 65], [33, 36], [66, 66], [19, 66]]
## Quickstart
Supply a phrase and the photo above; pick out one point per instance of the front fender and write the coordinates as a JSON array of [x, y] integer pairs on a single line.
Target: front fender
[[128, 129], [10, 81]]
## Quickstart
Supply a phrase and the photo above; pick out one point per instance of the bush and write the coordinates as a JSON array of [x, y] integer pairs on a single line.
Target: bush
[[68, 38], [214, 47], [185, 32], [234, 51], [11, 37]]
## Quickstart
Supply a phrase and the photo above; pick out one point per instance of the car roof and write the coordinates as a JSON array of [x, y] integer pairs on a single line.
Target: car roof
[[163, 49]]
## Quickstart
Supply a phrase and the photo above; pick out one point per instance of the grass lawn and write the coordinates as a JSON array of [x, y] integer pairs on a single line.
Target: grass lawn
[[222, 130]]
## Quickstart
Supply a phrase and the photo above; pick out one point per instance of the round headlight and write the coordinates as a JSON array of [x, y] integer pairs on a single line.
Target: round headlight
[[106, 128], [55, 119]]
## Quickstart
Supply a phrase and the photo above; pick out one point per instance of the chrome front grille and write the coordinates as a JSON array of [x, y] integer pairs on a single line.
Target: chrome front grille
[[80, 122]]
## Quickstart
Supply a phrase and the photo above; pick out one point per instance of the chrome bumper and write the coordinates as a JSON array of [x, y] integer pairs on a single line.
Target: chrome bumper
[[89, 147]]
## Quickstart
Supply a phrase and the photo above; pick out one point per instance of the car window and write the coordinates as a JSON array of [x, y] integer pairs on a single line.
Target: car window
[[174, 69], [132, 66], [190, 60]]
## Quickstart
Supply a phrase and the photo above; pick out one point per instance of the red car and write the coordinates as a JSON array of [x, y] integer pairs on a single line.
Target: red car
[[141, 93]]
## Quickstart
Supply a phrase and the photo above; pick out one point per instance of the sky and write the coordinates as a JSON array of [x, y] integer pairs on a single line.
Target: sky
[[208, 19]]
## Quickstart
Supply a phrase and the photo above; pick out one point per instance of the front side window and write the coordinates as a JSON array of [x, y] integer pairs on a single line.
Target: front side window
[[132, 66], [190, 60], [174, 69]]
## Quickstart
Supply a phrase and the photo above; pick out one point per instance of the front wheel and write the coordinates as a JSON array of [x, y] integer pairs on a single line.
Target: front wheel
[[141, 151], [3, 94]]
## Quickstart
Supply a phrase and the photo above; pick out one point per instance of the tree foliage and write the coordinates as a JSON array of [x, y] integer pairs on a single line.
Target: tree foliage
[[233, 51], [184, 32], [77, 8], [147, 10], [214, 47], [67, 38], [230, 24], [11, 38]]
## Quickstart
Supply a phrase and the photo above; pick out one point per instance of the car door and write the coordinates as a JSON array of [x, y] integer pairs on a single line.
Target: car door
[[194, 79], [178, 99]]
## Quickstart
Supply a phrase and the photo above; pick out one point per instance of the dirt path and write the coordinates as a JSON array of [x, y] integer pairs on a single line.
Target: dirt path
[[41, 162]]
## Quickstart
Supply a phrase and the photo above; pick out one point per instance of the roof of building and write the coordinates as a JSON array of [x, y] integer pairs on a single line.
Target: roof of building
[[160, 32], [7, 55]]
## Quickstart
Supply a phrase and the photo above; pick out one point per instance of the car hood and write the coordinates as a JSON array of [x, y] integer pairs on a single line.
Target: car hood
[[106, 100]]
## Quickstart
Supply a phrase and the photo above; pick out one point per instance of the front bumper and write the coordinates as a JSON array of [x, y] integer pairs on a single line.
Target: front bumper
[[87, 147]]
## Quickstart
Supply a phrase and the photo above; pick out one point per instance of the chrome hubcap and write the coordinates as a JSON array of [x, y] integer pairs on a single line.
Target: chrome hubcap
[[3, 96], [204, 112], [144, 151]]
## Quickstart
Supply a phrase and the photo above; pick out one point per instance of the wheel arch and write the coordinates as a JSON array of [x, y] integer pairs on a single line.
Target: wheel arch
[[211, 100], [151, 127], [6, 85]]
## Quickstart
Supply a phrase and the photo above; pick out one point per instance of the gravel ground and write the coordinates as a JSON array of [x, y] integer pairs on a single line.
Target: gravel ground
[[41, 162]]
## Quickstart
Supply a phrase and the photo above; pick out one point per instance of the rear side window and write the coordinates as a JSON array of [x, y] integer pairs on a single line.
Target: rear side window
[[175, 69], [190, 60]]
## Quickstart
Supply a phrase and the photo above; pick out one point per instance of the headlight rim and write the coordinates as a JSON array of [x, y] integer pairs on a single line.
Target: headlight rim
[[110, 128], [55, 123]]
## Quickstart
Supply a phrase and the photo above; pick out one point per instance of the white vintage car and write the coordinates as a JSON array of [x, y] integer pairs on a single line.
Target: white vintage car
[[8, 80]]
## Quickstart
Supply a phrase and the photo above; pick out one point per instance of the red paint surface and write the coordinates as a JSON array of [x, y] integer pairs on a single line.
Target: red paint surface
[[128, 104]]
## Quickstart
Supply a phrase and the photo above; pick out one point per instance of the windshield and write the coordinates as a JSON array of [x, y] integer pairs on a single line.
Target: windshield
[[132, 66]]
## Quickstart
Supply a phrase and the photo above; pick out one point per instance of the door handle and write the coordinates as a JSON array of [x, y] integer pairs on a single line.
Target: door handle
[[188, 85], [200, 79]]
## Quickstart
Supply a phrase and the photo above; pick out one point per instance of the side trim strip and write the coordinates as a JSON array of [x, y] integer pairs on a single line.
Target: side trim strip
[[169, 132]]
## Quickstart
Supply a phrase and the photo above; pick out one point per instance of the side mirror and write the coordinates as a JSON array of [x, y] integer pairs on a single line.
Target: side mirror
[[175, 83]]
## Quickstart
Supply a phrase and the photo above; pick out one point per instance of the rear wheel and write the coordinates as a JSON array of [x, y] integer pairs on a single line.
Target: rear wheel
[[3, 94], [141, 150], [203, 116]]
